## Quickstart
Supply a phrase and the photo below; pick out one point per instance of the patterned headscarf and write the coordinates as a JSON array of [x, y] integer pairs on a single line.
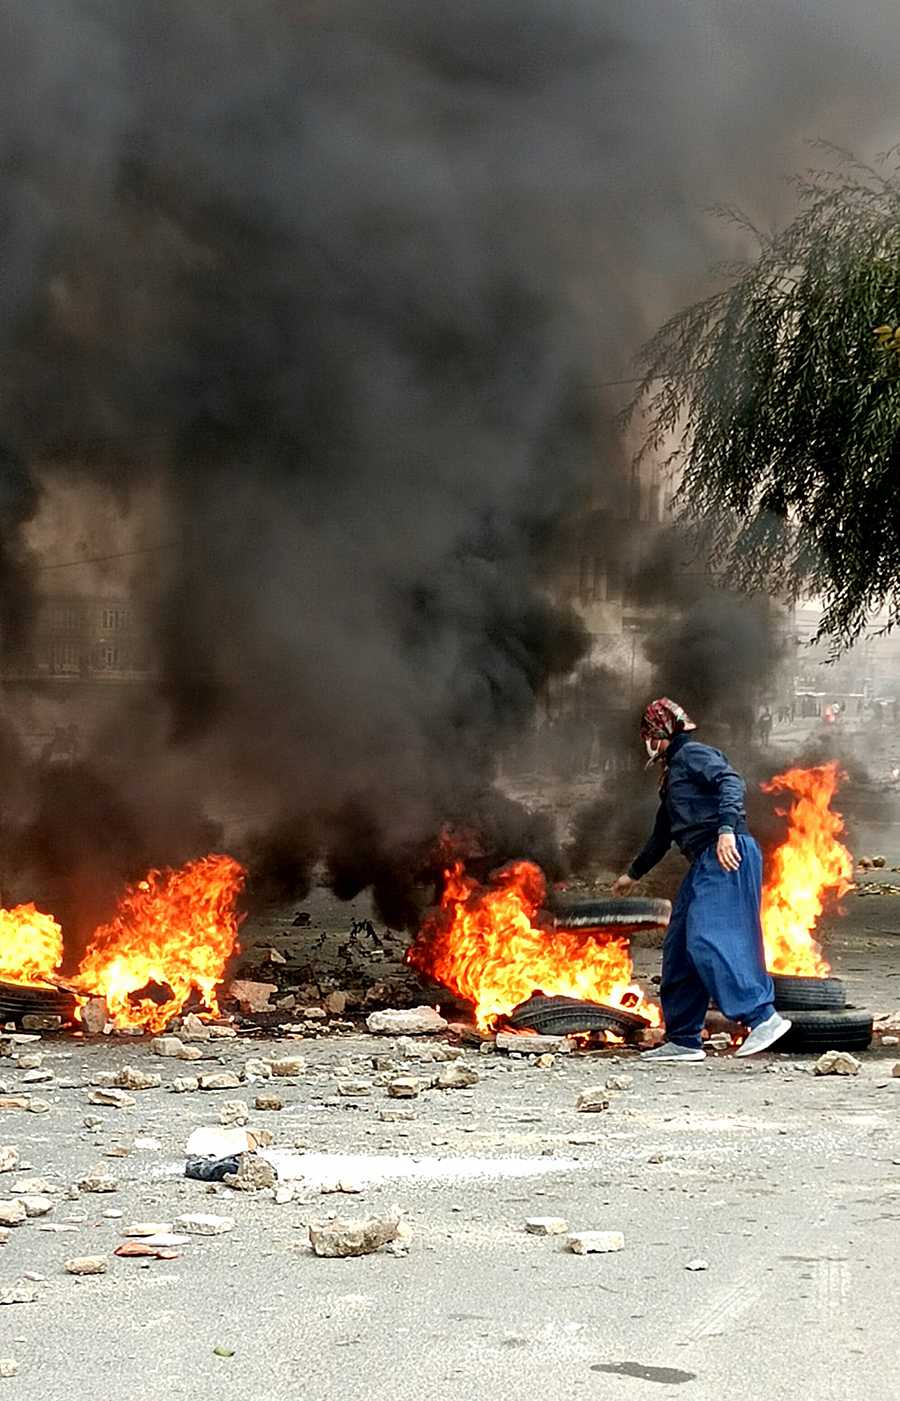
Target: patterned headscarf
[[661, 720]]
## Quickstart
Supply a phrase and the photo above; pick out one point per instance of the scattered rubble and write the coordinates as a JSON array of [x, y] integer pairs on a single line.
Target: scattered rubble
[[87, 1265], [404, 1087], [173, 1048], [837, 1063], [620, 1082], [12, 1213], [592, 1100], [18, 1294], [193, 1029], [98, 1181], [697, 1265], [354, 1089], [595, 1242], [9, 1158], [256, 1069], [94, 1016], [409, 1021], [145, 1228], [184, 1084], [130, 1078], [10, 1102], [268, 1102], [37, 1205], [346, 1237], [546, 1225], [533, 1045], [8, 1366]]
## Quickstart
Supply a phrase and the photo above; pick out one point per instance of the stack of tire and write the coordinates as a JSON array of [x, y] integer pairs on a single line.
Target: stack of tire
[[821, 1018]]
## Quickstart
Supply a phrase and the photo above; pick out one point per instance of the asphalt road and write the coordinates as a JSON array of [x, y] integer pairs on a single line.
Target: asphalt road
[[786, 1185]]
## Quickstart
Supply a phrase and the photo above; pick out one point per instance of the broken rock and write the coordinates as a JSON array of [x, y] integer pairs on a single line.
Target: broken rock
[[253, 1175], [595, 1242], [234, 1111], [221, 1080], [112, 1099], [193, 1029], [411, 1021], [252, 996], [456, 1076], [18, 1294], [9, 1158], [268, 1102], [592, 1100], [837, 1063], [287, 1066], [130, 1078], [256, 1069], [404, 1087], [546, 1225], [94, 1016], [347, 1237], [37, 1206], [87, 1265], [184, 1084], [98, 1181], [620, 1082], [353, 1089], [532, 1045], [203, 1224], [12, 1213]]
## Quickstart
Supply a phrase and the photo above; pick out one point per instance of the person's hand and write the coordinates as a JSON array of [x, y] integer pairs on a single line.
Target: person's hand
[[623, 885], [727, 851]]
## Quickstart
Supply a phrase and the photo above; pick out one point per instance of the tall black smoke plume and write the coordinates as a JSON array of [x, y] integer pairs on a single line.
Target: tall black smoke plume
[[338, 283]]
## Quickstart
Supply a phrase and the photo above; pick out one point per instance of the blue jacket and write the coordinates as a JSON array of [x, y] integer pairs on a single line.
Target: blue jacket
[[701, 796]]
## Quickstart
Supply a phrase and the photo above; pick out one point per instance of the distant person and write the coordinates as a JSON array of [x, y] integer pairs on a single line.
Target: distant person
[[764, 725], [714, 945]]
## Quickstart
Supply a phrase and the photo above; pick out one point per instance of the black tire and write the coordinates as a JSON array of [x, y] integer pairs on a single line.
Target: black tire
[[814, 1032], [557, 1016], [608, 913], [808, 994]]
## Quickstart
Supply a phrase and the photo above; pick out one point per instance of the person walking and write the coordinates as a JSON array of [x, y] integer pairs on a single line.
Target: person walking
[[714, 946]]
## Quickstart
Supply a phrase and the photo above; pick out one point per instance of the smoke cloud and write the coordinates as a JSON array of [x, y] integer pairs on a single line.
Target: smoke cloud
[[336, 286]]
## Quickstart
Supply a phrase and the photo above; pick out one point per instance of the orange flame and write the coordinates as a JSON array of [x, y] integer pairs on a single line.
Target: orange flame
[[483, 944], [31, 945], [176, 929], [810, 866]]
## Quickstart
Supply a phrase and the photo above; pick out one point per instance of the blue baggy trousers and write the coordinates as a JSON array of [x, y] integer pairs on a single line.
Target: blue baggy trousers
[[714, 947]]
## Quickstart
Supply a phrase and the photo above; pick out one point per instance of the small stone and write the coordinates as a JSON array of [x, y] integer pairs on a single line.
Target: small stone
[[145, 1228], [130, 1078], [87, 1265], [336, 1003], [104, 1079], [546, 1225], [112, 1099], [352, 1186], [37, 1077], [719, 1041], [354, 1089], [18, 1294], [98, 1181], [234, 1111], [170, 1047], [837, 1063], [193, 1029], [592, 1100], [113, 1215], [595, 1242], [346, 1237], [284, 1193], [94, 1016], [203, 1224], [890, 1040], [396, 1116], [32, 1060], [10, 1102], [256, 1069], [38, 1106], [9, 1158], [218, 1029], [287, 1066], [456, 1076], [184, 1084], [8, 1366], [221, 1080], [35, 1186], [895, 1073], [252, 996], [697, 1265], [545, 1061], [404, 1087], [41, 1021], [519, 1042], [268, 1102], [411, 1021], [12, 1213], [620, 1082], [37, 1206]]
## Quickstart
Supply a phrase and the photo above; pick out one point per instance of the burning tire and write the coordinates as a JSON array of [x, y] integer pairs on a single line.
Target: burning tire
[[808, 994], [560, 1016], [847, 1030], [610, 913]]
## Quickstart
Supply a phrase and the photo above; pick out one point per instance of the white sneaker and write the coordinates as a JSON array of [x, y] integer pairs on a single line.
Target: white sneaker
[[670, 1051], [764, 1035]]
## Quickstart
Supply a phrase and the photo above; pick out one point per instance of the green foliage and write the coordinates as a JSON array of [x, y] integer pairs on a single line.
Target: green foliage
[[782, 395]]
